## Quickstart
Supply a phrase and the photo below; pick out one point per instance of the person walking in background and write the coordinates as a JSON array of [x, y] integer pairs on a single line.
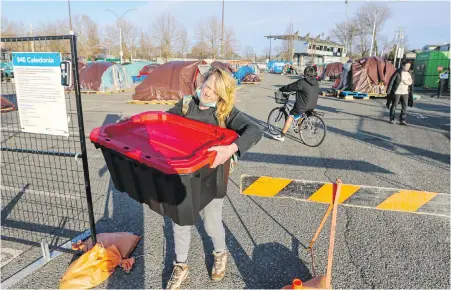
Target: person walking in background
[[343, 85], [400, 90]]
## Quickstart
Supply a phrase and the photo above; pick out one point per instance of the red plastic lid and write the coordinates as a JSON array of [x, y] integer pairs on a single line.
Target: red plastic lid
[[167, 142]]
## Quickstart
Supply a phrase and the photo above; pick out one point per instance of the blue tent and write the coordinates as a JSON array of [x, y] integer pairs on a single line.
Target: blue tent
[[133, 69], [116, 78], [7, 67], [242, 72], [275, 66]]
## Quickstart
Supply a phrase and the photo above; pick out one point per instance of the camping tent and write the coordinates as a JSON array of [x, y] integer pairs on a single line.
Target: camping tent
[[204, 68], [116, 78], [104, 76], [371, 75], [170, 81], [147, 69], [333, 70], [242, 72], [225, 66], [255, 67], [133, 69], [81, 65], [275, 66], [6, 105]]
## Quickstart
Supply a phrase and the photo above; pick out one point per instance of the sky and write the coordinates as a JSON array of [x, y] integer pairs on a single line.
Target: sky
[[424, 22]]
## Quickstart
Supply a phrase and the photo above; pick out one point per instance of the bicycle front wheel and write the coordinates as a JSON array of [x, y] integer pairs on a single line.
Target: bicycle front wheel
[[276, 120], [312, 131]]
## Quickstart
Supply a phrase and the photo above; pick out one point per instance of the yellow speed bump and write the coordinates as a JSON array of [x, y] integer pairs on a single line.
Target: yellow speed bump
[[352, 195]]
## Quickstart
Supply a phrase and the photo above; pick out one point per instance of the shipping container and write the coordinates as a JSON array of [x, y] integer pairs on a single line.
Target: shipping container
[[426, 73]]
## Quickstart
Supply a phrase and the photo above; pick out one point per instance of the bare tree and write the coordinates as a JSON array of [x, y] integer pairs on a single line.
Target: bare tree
[[230, 43], [249, 53], [266, 52], [375, 15], [165, 32], [145, 47], [11, 28], [213, 36], [345, 34], [363, 39], [88, 37], [130, 37], [58, 27], [200, 48], [111, 39], [288, 44], [183, 42]]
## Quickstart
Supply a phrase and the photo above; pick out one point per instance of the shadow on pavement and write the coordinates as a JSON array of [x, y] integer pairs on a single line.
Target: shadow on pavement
[[385, 143], [413, 118], [118, 220], [432, 107], [272, 265], [332, 163], [169, 255]]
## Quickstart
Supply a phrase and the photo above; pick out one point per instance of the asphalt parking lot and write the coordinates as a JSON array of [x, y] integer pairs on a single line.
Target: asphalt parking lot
[[267, 236]]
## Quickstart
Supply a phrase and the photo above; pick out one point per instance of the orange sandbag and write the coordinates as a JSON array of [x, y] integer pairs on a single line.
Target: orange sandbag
[[124, 242], [100, 261], [92, 268]]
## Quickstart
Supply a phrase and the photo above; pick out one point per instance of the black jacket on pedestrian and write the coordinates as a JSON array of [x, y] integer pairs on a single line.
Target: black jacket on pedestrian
[[307, 91], [393, 86]]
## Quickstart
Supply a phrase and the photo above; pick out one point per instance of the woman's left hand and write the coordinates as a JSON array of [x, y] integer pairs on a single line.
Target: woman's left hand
[[223, 153]]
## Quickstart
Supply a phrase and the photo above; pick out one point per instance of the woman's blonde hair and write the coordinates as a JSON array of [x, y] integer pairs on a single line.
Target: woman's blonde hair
[[225, 88]]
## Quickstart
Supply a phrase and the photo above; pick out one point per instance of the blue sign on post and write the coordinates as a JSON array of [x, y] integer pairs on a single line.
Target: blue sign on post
[[36, 59], [40, 96]]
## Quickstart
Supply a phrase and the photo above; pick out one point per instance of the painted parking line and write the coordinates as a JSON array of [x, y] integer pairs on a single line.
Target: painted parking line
[[381, 198], [7, 255]]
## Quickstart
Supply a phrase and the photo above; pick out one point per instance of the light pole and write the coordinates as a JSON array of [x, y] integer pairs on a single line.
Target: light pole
[[119, 19], [222, 32], [374, 28], [346, 29], [70, 17]]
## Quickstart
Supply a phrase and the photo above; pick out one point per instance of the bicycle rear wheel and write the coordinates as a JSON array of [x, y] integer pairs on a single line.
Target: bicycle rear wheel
[[276, 120], [312, 131]]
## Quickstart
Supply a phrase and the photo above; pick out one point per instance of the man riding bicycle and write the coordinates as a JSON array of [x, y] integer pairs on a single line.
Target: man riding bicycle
[[307, 91]]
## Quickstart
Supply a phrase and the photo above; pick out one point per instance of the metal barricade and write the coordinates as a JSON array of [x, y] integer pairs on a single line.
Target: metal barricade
[[45, 185]]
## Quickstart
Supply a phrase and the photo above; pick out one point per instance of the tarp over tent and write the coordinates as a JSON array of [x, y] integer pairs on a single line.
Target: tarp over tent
[[133, 69], [116, 78], [371, 75], [333, 70], [147, 69], [91, 75], [225, 66], [170, 81], [255, 67], [6, 105], [242, 72], [104, 76], [81, 65], [275, 66]]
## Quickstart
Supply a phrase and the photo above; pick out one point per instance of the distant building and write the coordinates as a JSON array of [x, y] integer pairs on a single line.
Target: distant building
[[411, 55], [309, 50], [440, 47]]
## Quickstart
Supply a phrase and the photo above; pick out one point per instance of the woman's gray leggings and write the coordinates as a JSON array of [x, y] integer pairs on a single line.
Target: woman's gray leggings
[[213, 226]]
